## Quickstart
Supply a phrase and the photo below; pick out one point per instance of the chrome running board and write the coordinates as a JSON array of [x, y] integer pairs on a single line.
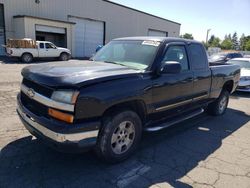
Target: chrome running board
[[170, 123]]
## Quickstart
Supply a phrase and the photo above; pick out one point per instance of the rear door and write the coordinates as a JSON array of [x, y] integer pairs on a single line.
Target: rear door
[[42, 52], [202, 73], [173, 92]]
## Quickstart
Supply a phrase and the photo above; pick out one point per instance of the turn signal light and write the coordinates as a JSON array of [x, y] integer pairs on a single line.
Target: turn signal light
[[61, 116]]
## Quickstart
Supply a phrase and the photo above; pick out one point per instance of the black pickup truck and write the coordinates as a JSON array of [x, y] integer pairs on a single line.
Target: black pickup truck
[[130, 85]]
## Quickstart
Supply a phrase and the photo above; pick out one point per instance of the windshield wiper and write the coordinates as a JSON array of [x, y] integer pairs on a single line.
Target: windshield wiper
[[112, 62]]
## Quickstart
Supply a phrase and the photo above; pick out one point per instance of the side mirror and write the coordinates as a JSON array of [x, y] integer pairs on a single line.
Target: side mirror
[[170, 67], [98, 48]]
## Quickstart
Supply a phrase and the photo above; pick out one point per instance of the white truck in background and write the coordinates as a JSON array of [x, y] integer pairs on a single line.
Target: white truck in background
[[28, 49]]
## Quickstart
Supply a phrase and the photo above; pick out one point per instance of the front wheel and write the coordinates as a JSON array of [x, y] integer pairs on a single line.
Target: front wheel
[[219, 106], [119, 137], [64, 57]]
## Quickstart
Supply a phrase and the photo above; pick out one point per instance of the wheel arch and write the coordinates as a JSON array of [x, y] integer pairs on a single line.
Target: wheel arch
[[27, 53], [63, 52], [138, 106], [228, 86]]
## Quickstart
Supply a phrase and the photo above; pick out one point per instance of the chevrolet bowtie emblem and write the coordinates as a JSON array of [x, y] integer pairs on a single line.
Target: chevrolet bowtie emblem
[[31, 93]]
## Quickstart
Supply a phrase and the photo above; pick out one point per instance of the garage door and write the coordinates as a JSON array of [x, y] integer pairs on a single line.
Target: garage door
[[157, 33], [56, 35], [2, 35], [88, 34], [2, 49], [49, 29]]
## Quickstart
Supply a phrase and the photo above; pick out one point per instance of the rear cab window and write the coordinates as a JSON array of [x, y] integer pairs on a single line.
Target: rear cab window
[[41, 45], [197, 56]]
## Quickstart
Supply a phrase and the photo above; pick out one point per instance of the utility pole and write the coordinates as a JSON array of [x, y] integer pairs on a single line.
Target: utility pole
[[207, 36]]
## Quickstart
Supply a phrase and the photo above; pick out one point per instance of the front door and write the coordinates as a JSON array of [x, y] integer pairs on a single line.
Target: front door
[[51, 50], [173, 92]]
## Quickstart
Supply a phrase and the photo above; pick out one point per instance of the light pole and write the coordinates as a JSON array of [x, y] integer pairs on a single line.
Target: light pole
[[207, 36]]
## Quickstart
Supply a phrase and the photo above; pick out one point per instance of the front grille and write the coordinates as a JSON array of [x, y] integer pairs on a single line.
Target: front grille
[[43, 90], [33, 106]]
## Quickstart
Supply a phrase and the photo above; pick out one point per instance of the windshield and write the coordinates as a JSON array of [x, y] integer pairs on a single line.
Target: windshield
[[217, 57], [242, 64], [134, 54]]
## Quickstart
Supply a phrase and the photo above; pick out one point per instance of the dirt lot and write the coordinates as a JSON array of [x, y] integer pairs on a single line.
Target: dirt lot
[[203, 152]]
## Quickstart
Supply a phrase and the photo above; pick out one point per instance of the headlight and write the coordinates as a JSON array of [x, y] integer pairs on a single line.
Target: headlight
[[65, 96]]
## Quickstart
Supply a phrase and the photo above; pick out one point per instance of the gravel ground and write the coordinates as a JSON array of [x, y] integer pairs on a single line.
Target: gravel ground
[[203, 152]]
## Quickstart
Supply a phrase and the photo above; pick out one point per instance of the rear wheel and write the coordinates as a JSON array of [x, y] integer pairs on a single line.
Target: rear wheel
[[219, 106], [119, 137], [64, 57], [27, 58]]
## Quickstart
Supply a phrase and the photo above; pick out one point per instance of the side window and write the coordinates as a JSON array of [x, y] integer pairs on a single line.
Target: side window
[[197, 56], [230, 56], [41, 45], [48, 45], [177, 53], [237, 55]]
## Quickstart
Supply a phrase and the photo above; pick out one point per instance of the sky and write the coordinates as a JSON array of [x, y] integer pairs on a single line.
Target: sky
[[196, 16]]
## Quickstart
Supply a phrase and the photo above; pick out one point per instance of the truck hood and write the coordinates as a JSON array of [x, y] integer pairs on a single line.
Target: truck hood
[[75, 73], [63, 49]]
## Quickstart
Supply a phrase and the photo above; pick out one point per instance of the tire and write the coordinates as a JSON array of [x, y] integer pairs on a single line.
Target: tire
[[64, 57], [219, 107], [27, 58], [119, 137]]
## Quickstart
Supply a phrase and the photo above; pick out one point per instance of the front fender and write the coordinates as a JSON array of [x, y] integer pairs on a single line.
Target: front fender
[[94, 100]]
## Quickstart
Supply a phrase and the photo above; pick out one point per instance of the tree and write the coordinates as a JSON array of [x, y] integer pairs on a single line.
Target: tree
[[210, 41], [205, 44], [214, 41], [242, 42], [247, 47], [187, 36], [235, 41], [226, 44]]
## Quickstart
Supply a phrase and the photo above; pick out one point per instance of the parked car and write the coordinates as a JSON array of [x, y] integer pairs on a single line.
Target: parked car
[[246, 56], [131, 84], [244, 63], [41, 49], [221, 58]]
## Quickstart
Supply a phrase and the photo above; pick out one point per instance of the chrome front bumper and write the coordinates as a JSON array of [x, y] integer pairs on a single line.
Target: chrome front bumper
[[39, 130]]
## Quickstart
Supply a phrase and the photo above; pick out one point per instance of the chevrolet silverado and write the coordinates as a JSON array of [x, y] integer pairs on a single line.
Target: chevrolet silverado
[[131, 85]]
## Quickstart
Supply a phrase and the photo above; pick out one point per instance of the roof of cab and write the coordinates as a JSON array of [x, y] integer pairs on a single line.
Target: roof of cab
[[43, 41], [159, 39]]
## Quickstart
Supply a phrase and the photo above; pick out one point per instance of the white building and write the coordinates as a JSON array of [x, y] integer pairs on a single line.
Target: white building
[[80, 25]]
